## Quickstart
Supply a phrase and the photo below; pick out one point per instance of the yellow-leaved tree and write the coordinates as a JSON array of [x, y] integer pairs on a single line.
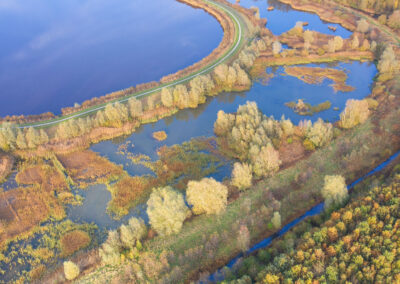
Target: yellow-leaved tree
[[207, 196], [166, 210]]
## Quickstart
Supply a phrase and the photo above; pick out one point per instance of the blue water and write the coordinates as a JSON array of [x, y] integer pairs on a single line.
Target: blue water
[[56, 53], [283, 18], [271, 99], [93, 209], [317, 209]]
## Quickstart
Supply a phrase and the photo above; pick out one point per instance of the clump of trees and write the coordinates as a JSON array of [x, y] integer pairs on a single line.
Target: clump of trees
[[334, 191], [356, 112], [251, 136], [126, 238], [167, 210], [12, 138], [207, 196]]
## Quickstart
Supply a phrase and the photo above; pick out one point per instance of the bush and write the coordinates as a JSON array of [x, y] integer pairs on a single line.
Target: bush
[[207, 196], [356, 112], [74, 241], [334, 191], [71, 270], [242, 176], [166, 210]]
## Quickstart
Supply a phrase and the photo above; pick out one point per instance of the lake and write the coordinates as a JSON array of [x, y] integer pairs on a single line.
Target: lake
[[56, 53]]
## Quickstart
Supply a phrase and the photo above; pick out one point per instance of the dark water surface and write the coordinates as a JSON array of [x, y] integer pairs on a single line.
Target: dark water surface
[[56, 53], [283, 18]]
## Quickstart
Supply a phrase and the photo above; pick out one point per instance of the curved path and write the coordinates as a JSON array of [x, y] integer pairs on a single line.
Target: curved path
[[239, 26]]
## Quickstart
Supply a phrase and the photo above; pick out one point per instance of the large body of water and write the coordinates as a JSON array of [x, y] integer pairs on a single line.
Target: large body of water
[[270, 97], [56, 53]]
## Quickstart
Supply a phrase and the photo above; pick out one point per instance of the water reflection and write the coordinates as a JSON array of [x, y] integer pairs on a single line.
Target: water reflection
[[56, 53]]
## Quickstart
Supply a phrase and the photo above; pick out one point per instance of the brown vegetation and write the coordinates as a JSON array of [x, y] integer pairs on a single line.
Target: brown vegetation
[[6, 165], [87, 167], [160, 135], [73, 241], [316, 75]]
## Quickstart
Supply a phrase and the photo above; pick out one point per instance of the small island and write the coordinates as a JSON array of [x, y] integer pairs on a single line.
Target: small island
[[303, 108], [160, 135]]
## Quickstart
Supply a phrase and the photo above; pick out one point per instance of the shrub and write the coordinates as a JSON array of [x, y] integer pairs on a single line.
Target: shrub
[[207, 196], [334, 191], [356, 112], [74, 241], [71, 270], [242, 176], [133, 232], [166, 210]]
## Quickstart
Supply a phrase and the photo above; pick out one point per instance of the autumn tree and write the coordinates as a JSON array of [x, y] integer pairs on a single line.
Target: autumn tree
[[334, 191], [388, 62], [21, 141], [135, 107], [356, 112], [276, 47], [207, 196], [320, 133], [362, 26], [266, 162], [134, 231], [110, 249], [71, 270], [355, 42], [276, 220], [242, 176], [166, 210], [394, 20], [181, 96]]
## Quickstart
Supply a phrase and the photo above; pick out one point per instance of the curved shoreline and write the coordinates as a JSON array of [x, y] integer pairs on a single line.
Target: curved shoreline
[[227, 53]]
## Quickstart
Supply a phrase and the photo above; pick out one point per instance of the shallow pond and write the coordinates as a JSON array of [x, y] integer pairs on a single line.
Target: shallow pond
[[56, 53], [283, 18], [186, 124], [270, 97]]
